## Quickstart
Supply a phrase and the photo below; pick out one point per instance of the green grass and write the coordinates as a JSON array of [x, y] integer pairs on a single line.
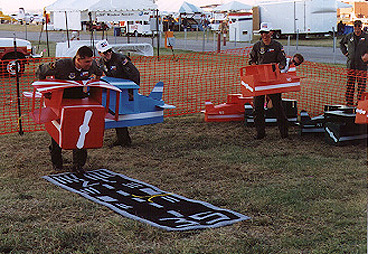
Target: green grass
[[304, 196]]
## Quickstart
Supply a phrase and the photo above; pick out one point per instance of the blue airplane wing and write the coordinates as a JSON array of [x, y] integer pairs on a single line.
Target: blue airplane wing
[[166, 106]]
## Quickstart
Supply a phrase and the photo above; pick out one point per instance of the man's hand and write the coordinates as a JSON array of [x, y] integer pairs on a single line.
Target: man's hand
[[365, 57]]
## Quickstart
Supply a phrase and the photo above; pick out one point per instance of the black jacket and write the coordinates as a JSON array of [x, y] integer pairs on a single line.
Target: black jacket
[[266, 54], [356, 47], [120, 66], [66, 70]]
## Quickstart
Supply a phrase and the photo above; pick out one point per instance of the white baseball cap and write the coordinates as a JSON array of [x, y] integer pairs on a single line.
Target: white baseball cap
[[265, 27], [103, 46]]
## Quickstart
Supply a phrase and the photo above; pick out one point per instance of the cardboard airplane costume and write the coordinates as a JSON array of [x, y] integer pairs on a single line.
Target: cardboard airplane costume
[[256, 80], [134, 108], [80, 123], [362, 110], [72, 123]]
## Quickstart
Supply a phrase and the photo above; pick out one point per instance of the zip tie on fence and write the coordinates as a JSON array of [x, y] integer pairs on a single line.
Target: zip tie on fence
[[19, 118]]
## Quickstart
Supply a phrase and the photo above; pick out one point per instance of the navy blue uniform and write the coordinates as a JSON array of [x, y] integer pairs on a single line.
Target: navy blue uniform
[[266, 54], [120, 66], [354, 47], [65, 69]]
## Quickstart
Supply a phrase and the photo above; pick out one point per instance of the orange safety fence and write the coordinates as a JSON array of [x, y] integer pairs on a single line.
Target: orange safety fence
[[190, 80]]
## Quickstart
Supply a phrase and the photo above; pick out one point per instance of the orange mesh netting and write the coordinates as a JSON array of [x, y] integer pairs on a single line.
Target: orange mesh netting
[[190, 80]]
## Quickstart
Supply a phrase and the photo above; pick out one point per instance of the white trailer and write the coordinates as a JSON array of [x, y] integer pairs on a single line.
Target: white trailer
[[303, 17], [132, 22], [240, 26]]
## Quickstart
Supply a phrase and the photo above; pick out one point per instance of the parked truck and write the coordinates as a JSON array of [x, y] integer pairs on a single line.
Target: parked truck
[[303, 17], [8, 54]]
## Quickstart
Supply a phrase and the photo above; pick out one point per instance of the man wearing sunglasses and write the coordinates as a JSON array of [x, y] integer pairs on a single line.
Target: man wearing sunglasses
[[267, 51], [355, 47], [118, 66]]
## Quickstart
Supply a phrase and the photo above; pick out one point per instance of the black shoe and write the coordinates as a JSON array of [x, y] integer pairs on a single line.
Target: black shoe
[[78, 170], [285, 135], [260, 136], [120, 143]]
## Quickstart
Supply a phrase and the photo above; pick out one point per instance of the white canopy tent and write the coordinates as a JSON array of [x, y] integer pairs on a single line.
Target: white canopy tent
[[123, 5], [120, 10], [233, 6], [76, 11], [71, 11], [189, 8]]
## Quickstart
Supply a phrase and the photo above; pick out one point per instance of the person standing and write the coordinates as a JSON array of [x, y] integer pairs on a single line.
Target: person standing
[[267, 51], [81, 67], [340, 28], [354, 46], [118, 66]]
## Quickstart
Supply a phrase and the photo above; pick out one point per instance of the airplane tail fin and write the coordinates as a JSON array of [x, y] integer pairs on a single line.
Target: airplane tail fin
[[156, 92]]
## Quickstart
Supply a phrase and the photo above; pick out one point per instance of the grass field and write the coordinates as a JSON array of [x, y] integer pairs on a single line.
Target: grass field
[[303, 195]]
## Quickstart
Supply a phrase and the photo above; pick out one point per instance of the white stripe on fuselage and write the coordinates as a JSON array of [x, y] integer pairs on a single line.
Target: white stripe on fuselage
[[138, 116]]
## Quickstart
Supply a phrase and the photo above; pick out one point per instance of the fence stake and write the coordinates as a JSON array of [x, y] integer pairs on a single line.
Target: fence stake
[[204, 40], [18, 88]]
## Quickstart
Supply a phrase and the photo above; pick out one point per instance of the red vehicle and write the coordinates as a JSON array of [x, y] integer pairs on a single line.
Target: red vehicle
[[7, 53]]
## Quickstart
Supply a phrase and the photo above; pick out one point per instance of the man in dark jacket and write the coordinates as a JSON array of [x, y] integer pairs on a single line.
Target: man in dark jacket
[[268, 51], [81, 67], [354, 46], [118, 66]]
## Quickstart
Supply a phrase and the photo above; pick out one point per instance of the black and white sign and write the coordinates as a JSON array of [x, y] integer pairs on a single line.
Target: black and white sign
[[140, 201]]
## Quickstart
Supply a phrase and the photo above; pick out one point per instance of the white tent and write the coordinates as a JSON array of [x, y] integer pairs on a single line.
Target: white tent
[[122, 5], [76, 11], [233, 6], [189, 8], [60, 5], [72, 11]]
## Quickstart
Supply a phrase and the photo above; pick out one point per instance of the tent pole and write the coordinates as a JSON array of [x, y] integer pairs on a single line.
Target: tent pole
[[91, 28], [47, 32], [67, 32], [158, 34]]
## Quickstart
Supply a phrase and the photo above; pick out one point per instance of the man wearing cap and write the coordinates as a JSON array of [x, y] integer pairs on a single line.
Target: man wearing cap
[[267, 51], [355, 47], [118, 66], [81, 67]]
